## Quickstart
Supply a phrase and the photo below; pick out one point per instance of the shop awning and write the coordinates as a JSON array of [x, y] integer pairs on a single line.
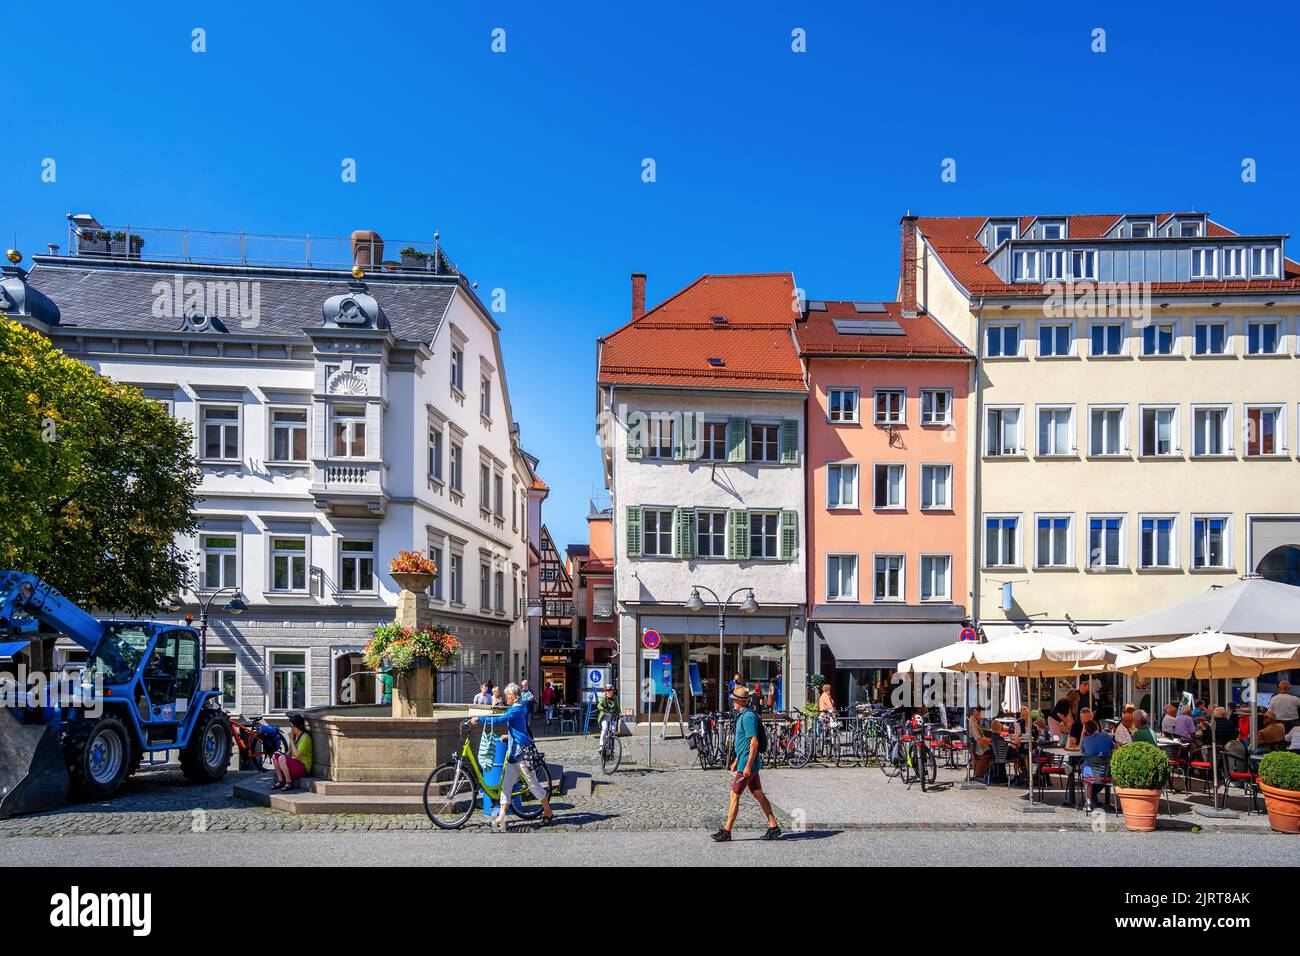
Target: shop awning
[[883, 644], [12, 649]]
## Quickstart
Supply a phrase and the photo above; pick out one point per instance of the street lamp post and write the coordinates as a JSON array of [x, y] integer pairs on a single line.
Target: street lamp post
[[233, 606], [748, 606]]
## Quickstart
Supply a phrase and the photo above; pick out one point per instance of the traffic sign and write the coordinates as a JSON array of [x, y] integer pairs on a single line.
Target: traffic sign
[[650, 639], [596, 679], [650, 655], [969, 634]]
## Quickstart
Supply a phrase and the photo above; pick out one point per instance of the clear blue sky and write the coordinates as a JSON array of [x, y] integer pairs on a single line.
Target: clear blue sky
[[529, 162]]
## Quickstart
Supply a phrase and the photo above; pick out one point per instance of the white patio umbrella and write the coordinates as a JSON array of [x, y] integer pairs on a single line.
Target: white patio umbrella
[[1211, 654], [1034, 652], [946, 659], [1011, 695]]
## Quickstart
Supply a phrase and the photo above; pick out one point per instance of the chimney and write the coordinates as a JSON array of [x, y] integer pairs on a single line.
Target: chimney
[[907, 268], [638, 295]]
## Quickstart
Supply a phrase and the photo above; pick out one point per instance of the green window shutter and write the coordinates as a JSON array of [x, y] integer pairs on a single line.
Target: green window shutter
[[633, 532], [685, 544], [789, 441], [737, 439], [738, 534], [789, 535], [635, 434]]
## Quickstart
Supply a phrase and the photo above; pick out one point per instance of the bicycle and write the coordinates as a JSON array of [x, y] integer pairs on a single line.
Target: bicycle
[[257, 742], [611, 750], [452, 790]]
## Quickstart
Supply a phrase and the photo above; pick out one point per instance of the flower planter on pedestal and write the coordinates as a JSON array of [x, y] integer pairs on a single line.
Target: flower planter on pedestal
[[415, 582], [1140, 808], [1283, 808]]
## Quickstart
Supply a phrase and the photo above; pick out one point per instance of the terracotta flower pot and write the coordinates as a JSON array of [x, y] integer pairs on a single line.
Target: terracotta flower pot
[[1140, 808], [1283, 808]]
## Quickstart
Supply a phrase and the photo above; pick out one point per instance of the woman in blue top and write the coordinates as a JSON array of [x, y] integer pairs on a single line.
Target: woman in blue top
[[515, 721]]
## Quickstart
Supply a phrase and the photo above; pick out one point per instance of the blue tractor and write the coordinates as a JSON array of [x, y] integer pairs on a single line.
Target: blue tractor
[[141, 692]]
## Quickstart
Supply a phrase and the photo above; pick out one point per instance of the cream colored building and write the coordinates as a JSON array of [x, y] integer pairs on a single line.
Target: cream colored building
[[1132, 449]]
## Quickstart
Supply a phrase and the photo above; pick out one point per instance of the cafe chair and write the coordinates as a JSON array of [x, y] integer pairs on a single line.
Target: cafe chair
[[1001, 757], [1237, 773], [1199, 766], [1052, 766], [1100, 776]]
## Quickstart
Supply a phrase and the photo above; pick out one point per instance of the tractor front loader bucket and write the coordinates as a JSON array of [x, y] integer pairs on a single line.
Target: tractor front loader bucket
[[33, 774]]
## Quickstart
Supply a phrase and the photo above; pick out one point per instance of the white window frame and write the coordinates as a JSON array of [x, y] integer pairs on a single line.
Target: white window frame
[[771, 448], [1125, 448], [1071, 435], [1279, 324], [1227, 541], [659, 531], [1281, 438], [1197, 229], [889, 466], [1055, 324], [271, 670], [1208, 265], [834, 471], [236, 552], [437, 551], [275, 427], [1146, 225], [774, 517], [876, 415], [1020, 450], [1024, 265], [833, 578], [705, 451], [237, 424], [1235, 259], [1122, 558], [1227, 337], [1269, 252], [1069, 556], [1054, 224], [1123, 338], [218, 669], [358, 556], [927, 414], [944, 598], [458, 369], [1001, 327], [1225, 437], [485, 397], [660, 434], [1083, 265], [1017, 538], [901, 596], [1175, 430], [350, 422], [274, 552], [1175, 338], [1173, 564], [943, 466], [455, 577], [1056, 265], [1013, 228], [840, 418], [722, 540]]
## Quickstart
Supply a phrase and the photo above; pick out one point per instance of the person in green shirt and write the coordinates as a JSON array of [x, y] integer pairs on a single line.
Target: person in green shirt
[[607, 710], [386, 682], [1143, 724], [297, 762]]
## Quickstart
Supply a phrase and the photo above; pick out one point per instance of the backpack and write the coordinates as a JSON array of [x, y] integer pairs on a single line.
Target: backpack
[[761, 735]]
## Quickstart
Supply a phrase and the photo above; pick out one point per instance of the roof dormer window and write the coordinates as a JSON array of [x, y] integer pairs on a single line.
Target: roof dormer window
[[1003, 232], [1189, 228], [1053, 230], [1140, 230]]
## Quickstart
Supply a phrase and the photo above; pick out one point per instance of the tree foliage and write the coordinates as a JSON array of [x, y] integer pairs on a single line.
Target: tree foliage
[[96, 481]]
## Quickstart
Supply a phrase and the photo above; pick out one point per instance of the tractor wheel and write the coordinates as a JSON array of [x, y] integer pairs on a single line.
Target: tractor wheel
[[206, 757], [99, 755]]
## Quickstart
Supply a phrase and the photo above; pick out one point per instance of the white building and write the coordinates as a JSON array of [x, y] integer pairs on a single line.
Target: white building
[[701, 406], [337, 421]]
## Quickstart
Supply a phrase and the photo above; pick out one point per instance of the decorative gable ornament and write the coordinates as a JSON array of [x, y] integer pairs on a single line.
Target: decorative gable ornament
[[355, 309], [196, 320], [347, 383]]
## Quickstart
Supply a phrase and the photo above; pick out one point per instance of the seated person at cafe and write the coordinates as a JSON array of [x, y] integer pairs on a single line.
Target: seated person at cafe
[[1285, 705], [1127, 724], [1064, 709], [1079, 729], [1169, 719], [1143, 733], [979, 739], [1293, 738], [1095, 744], [1184, 725], [1271, 732], [1220, 728], [1198, 709]]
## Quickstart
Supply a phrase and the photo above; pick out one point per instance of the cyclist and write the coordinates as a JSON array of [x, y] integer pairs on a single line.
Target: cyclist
[[515, 722], [607, 708]]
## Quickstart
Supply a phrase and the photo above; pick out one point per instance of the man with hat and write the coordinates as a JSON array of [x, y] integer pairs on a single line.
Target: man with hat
[[745, 765]]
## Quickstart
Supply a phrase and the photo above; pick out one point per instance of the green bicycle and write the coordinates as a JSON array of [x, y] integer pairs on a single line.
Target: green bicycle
[[452, 791]]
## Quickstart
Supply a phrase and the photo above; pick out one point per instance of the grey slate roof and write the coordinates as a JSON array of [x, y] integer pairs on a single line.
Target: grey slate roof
[[121, 297]]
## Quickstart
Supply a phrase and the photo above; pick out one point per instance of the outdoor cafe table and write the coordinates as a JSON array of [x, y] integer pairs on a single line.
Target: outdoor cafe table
[[1075, 757]]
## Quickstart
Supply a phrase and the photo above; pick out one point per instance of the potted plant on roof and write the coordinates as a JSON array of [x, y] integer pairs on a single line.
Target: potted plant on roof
[[1279, 779], [91, 243], [412, 571], [413, 258], [1140, 771], [126, 247]]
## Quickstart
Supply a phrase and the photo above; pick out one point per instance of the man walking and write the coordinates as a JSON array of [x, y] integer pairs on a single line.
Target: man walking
[[745, 765]]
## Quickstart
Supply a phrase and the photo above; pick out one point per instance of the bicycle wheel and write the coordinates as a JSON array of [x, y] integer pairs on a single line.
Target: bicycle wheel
[[929, 768], [523, 803], [611, 755], [450, 795], [800, 752], [891, 759]]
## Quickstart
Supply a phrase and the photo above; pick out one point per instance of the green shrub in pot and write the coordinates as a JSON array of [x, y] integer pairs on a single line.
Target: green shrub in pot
[[1281, 770], [1139, 766]]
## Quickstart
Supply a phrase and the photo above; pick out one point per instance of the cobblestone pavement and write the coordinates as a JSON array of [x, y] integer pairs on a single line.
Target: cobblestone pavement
[[636, 798]]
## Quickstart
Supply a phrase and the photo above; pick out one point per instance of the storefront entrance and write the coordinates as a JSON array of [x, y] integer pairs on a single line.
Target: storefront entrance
[[690, 667]]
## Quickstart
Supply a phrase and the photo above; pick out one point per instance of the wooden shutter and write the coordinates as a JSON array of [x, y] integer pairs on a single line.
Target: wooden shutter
[[737, 439], [633, 532], [685, 545], [738, 534], [789, 543], [789, 441], [635, 434]]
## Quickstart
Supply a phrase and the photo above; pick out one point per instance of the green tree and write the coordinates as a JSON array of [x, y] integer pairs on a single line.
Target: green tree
[[96, 480]]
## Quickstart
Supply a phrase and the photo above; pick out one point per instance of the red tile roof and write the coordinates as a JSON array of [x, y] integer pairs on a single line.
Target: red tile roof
[[672, 344], [954, 240], [922, 336]]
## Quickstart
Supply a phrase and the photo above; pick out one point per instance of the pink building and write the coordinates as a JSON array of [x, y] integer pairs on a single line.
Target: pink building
[[888, 517]]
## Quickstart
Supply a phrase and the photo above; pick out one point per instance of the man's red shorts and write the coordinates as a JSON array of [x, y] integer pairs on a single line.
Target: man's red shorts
[[741, 783]]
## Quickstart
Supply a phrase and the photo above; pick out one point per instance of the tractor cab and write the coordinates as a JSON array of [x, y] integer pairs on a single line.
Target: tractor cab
[[153, 666]]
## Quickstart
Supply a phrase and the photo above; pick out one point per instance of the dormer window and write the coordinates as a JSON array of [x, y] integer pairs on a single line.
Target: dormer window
[[1263, 262], [1025, 265], [1083, 264], [1189, 228], [1205, 263], [1139, 230], [1234, 263], [1003, 232], [1053, 230]]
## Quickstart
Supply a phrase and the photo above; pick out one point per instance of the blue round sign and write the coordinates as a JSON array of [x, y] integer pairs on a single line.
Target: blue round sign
[[969, 634], [650, 639]]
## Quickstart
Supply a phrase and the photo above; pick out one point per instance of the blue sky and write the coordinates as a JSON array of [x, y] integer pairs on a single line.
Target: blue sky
[[529, 161]]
